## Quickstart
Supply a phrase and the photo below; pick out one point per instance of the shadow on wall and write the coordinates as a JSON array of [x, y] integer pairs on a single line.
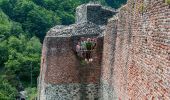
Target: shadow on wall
[[89, 64]]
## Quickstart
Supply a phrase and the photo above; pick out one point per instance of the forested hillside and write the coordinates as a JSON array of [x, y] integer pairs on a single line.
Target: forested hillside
[[23, 24]]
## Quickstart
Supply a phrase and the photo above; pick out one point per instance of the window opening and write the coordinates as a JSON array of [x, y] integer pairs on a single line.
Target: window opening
[[85, 48]]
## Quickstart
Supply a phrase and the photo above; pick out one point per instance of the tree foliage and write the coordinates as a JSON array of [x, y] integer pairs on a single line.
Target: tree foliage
[[22, 55], [32, 93], [7, 91], [37, 16]]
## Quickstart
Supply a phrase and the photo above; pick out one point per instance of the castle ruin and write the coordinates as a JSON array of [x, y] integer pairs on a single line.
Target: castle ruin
[[131, 60], [63, 75]]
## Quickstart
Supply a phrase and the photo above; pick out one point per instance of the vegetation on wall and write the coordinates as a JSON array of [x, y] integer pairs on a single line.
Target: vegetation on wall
[[167, 2], [142, 8]]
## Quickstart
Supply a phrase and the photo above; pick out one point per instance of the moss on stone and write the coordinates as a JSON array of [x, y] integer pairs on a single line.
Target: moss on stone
[[167, 2], [142, 8], [133, 4]]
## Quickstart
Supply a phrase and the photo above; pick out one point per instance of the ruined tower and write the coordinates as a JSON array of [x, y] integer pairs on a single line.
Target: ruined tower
[[132, 62], [63, 75]]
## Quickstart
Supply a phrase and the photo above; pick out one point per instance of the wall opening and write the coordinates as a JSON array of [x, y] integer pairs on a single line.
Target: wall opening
[[85, 48]]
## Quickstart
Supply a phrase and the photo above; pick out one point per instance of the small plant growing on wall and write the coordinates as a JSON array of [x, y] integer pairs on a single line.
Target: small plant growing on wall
[[142, 8], [167, 2], [83, 63], [133, 4]]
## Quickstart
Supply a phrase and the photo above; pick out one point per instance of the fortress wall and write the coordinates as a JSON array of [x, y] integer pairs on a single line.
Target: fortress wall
[[61, 59], [59, 70], [122, 54], [41, 88], [63, 76], [139, 66], [90, 73], [107, 90], [98, 14], [94, 13]]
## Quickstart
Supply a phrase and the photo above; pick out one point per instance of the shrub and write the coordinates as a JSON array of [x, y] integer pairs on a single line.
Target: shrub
[[31, 93]]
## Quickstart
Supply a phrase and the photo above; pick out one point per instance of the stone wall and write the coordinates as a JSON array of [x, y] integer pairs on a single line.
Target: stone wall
[[107, 92], [94, 13], [138, 67], [64, 75]]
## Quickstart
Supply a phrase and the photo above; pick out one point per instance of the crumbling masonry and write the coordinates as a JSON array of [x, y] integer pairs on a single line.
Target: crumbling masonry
[[131, 60]]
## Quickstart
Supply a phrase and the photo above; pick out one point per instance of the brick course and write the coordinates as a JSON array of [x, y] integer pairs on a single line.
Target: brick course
[[141, 59]]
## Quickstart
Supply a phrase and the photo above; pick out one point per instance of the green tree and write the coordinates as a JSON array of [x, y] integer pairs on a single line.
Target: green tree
[[39, 21], [5, 24], [23, 59], [3, 53], [7, 92]]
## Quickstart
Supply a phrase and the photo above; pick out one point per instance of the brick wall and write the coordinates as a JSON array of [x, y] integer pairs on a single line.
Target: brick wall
[[107, 92], [139, 66], [63, 66], [63, 76]]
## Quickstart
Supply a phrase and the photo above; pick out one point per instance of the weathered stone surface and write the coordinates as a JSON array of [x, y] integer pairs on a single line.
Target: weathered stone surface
[[138, 67], [72, 91], [107, 92], [107, 82], [87, 28], [81, 29], [94, 13]]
